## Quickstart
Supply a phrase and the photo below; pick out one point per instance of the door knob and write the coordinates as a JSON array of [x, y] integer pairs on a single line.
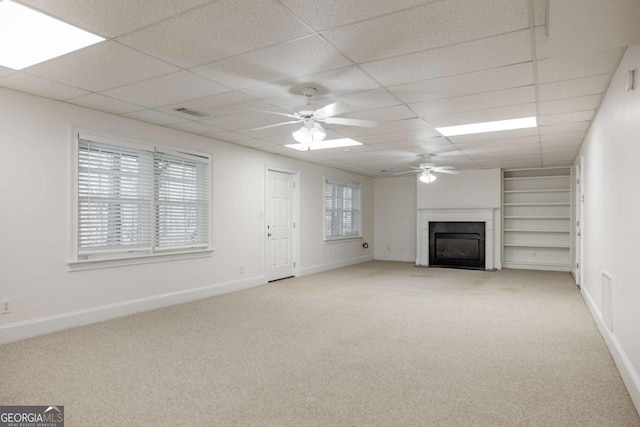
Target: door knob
[[268, 234], [579, 234]]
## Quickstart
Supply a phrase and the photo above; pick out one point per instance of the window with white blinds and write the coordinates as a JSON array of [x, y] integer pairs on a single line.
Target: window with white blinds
[[342, 217], [133, 201]]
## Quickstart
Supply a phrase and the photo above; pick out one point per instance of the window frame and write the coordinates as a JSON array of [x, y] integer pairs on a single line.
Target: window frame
[[342, 237], [117, 258]]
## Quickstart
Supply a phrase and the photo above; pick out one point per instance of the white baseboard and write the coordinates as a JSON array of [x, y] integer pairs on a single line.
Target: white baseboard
[[627, 372], [333, 265], [394, 257], [46, 325]]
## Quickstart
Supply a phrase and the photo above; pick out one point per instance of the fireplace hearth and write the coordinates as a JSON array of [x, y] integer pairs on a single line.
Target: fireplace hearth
[[457, 244]]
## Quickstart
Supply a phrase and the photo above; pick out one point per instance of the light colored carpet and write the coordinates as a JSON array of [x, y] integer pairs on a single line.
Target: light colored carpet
[[379, 344]]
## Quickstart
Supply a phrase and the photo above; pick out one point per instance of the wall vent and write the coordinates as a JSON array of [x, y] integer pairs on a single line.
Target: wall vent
[[607, 300], [190, 112]]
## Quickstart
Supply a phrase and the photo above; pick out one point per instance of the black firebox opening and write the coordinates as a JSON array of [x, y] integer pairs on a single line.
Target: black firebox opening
[[457, 244]]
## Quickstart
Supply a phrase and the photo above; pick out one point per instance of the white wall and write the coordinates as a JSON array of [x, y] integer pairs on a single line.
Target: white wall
[[468, 189], [395, 218], [611, 231], [36, 211]]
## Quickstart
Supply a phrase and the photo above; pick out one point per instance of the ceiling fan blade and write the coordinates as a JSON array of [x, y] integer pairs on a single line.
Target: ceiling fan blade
[[448, 171], [331, 110], [351, 122], [402, 173], [278, 124], [277, 113], [443, 167]]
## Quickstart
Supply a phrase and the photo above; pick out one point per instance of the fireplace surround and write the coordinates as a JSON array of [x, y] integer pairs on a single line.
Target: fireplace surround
[[457, 244], [478, 215]]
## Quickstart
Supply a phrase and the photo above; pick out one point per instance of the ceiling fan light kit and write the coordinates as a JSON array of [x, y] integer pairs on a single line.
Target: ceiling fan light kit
[[427, 177]]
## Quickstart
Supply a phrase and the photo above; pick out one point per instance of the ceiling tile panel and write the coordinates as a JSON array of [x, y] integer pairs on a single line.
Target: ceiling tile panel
[[101, 66], [381, 115], [509, 76], [482, 101], [218, 30], [564, 128], [539, 12], [246, 120], [332, 13], [285, 61], [194, 127], [582, 103], [572, 88], [389, 127], [38, 86], [114, 17], [556, 119], [433, 25], [156, 117], [165, 90], [551, 70], [368, 100], [502, 113], [564, 136], [483, 54], [104, 103], [330, 84]]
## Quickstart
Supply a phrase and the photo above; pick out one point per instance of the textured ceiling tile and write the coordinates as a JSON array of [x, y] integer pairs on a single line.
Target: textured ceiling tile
[[38, 86], [220, 29], [427, 27], [194, 127], [572, 88], [493, 114], [368, 100], [246, 120], [101, 66], [533, 139], [281, 62], [564, 128], [468, 57], [332, 13], [390, 127], [563, 137], [381, 115], [542, 43], [330, 84], [482, 101], [165, 90], [156, 117], [555, 119], [582, 103], [550, 70], [104, 103], [114, 17], [466, 84]]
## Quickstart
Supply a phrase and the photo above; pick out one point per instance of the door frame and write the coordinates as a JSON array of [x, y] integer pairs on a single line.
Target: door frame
[[578, 225], [295, 250]]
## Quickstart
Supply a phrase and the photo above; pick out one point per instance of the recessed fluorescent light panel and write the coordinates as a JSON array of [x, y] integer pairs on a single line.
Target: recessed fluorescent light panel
[[523, 123], [28, 37], [327, 143]]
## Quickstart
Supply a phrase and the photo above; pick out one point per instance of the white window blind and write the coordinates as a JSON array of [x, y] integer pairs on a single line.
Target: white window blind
[[134, 201], [342, 210], [114, 198], [181, 201]]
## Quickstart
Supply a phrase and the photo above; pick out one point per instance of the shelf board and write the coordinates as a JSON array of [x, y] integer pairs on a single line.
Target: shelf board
[[520, 230], [534, 245], [537, 266], [535, 177], [537, 217], [554, 190], [536, 204]]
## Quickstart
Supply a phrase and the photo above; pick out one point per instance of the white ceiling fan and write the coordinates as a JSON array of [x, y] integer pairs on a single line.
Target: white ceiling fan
[[428, 169], [311, 130]]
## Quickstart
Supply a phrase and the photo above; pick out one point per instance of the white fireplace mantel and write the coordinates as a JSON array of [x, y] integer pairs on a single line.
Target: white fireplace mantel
[[485, 215]]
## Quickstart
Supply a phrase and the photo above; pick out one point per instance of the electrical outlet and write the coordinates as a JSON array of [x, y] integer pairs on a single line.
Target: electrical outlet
[[5, 306]]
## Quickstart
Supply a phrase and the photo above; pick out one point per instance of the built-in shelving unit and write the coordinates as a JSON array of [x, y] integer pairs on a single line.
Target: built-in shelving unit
[[536, 218]]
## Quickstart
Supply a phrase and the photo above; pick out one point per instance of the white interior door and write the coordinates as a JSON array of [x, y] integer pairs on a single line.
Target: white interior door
[[281, 214]]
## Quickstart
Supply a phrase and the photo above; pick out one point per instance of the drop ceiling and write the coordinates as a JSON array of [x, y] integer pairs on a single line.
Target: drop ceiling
[[412, 65]]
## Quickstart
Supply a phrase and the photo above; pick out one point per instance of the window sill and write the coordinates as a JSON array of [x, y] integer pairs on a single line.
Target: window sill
[[341, 240], [93, 264]]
